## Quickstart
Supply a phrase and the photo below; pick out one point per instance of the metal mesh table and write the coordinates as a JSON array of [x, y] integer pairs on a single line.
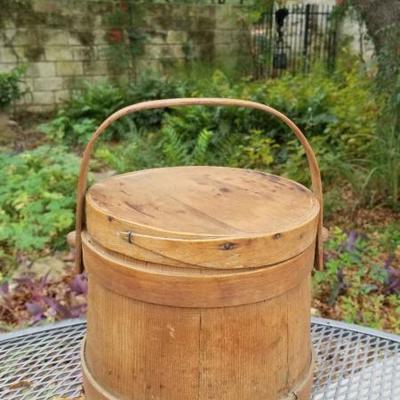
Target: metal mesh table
[[353, 363]]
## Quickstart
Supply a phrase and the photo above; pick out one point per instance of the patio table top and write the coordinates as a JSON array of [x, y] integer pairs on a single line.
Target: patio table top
[[353, 362]]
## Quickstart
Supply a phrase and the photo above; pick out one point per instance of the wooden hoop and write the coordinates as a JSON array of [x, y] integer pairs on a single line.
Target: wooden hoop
[[149, 105], [250, 286]]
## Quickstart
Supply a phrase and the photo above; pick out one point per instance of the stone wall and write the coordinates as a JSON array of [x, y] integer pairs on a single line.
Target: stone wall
[[65, 42]]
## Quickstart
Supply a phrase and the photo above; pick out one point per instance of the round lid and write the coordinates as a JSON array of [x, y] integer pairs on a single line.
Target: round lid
[[202, 216]]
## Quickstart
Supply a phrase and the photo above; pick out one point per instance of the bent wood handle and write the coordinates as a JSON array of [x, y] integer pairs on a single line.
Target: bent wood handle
[[148, 105]]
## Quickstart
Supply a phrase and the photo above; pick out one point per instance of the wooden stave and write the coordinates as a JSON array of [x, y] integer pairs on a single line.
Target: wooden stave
[[104, 356], [94, 391], [297, 337]]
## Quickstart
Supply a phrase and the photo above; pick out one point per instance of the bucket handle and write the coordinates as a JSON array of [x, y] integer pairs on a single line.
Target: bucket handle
[[149, 105]]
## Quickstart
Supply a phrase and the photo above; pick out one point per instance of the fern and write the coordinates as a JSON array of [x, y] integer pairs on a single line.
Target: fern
[[199, 153], [178, 152], [173, 148]]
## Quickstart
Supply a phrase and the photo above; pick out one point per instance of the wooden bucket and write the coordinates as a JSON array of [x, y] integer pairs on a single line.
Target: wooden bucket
[[199, 278]]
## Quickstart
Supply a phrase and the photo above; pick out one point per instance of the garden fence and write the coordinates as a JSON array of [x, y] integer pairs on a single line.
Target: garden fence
[[293, 39]]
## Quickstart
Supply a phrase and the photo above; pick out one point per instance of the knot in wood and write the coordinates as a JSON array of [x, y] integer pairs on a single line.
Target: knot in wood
[[228, 246]]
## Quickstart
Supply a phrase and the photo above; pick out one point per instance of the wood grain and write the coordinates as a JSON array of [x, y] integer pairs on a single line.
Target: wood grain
[[202, 226], [313, 164], [160, 284], [169, 333], [136, 350], [298, 328], [199, 279], [195, 202]]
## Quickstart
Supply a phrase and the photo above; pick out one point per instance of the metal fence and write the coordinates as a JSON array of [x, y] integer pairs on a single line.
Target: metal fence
[[293, 39]]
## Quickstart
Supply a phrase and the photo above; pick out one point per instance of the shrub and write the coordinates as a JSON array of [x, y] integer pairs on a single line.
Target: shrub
[[10, 86], [150, 86], [37, 199], [337, 112], [340, 131], [384, 159], [86, 110], [83, 113], [339, 107], [160, 149], [142, 151], [314, 102], [255, 151], [177, 152]]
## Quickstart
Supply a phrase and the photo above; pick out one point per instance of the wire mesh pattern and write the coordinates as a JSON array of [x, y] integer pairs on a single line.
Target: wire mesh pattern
[[42, 364], [352, 363]]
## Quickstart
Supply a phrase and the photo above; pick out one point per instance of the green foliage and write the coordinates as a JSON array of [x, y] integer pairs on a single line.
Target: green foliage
[[385, 156], [177, 152], [383, 162], [390, 238], [36, 199], [174, 149], [339, 107], [10, 86], [82, 114], [161, 149], [141, 152], [314, 102], [151, 86], [385, 168], [76, 122], [337, 112], [256, 151]]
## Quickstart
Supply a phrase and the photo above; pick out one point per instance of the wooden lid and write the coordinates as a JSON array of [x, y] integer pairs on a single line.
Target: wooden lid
[[211, 217]]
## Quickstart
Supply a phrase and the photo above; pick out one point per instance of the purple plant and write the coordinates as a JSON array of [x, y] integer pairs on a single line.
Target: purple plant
[[79, 284], [4, 289], [351, 241], [29, 299], [349, 244], [339, 288], [392, 284], [36, 310]]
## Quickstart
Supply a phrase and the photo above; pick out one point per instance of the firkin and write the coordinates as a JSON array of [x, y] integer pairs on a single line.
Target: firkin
[[199, 278]]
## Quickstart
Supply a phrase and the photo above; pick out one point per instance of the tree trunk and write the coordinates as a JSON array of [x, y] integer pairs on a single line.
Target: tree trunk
[[382, 19]]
